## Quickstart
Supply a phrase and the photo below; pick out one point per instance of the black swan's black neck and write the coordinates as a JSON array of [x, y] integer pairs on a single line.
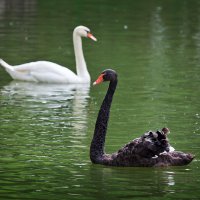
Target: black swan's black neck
[[98, 141]]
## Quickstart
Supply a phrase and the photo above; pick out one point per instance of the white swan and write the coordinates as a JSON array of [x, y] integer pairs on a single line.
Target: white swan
[[49, 72]]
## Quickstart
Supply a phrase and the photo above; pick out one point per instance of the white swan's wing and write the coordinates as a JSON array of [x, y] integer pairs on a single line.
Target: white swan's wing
[[45, 71]]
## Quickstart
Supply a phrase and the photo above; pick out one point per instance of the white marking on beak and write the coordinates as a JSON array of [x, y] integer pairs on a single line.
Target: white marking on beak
[[93, 38]]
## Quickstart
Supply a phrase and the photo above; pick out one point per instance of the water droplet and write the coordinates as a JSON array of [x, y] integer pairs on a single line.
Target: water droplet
[[11, 23], [125, 27]]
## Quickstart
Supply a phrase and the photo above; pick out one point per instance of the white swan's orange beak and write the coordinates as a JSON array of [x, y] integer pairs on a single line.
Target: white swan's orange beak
[[89, 35], [99, 80]]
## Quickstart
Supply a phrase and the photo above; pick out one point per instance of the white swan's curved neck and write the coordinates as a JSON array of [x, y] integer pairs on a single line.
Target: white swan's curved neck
[[81, 67]]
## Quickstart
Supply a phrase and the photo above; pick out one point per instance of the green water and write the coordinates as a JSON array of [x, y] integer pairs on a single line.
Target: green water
[[45, 130]]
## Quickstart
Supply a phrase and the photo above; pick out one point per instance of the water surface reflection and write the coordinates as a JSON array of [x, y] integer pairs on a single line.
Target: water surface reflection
[[43, 120], [35, 95], [130, 183], [42, 131]]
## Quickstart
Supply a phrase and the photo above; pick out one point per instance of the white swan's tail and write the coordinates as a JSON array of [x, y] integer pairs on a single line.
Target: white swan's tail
[[6, 66]]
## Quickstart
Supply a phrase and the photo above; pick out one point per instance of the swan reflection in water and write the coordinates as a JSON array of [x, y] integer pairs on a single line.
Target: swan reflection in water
[[48, 103], [155, 182]]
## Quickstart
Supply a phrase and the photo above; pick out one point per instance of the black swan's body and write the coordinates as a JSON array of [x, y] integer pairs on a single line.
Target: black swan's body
[[151, 149]]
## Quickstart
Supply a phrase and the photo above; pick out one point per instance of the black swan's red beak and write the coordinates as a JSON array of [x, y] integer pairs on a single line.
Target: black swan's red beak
[[99, 80]]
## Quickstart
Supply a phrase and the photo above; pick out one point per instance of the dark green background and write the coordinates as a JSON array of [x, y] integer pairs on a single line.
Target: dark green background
[[45, 130]]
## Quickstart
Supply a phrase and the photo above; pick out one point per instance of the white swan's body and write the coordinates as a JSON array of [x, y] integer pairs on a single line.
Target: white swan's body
[[41, 71], [49, 72]]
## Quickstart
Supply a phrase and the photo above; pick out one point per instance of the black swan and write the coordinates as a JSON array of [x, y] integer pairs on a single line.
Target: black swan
[[152, 149]]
